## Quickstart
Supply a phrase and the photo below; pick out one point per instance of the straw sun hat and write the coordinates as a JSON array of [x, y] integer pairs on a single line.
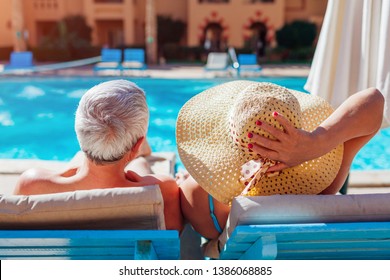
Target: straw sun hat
[[212, 129]]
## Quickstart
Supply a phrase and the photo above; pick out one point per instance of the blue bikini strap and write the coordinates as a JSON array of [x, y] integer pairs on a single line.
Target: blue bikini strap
[[213, 217]]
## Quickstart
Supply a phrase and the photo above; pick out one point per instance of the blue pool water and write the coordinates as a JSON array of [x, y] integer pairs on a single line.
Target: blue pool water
[[37, 116]]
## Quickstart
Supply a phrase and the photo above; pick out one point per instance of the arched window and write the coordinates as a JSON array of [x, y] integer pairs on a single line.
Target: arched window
[[213, 41], [258, 38]]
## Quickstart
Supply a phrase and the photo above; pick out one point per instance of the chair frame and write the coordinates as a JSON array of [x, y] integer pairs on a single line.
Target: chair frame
[[350, 240], [90, 244]]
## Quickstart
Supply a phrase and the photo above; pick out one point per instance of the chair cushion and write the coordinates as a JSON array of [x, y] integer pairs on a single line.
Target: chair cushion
[[114, 208], [132, 64], [289, 209]]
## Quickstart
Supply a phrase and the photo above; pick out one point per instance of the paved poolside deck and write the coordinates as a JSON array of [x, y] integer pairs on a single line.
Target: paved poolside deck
[[180, 71], [360, 181]]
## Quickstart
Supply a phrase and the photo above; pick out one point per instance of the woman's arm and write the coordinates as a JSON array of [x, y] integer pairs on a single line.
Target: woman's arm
[[354, 123]]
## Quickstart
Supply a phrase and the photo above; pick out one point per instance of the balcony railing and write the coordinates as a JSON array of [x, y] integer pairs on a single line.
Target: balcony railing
[[108, 1], [258, 1], [213, 1], [45, 4]]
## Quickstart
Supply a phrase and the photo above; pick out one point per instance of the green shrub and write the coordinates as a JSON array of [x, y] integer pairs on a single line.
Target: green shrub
[[85, 52], [69, 39], [295, 35], [301, 54], [72, 32], [169, 34], [43, 54], [173, 53], [169, 30]]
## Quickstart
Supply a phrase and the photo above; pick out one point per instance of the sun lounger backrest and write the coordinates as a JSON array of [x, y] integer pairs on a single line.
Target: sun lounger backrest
[[217, 61], [21, 60], [134, 55], [114, 208], [247, 59], [111, 55]]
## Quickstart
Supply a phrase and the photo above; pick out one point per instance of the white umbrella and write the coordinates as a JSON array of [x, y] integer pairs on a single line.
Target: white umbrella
[[353, 51]]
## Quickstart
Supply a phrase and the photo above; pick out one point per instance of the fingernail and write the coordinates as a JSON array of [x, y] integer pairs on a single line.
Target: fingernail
[[259, 123], [250, 146], [275, 114], [250, 135]]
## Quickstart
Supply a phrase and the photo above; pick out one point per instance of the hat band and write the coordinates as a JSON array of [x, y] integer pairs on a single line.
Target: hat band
[[253, 171]]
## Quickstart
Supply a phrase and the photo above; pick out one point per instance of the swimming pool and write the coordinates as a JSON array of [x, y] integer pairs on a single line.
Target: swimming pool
[[37, 116]]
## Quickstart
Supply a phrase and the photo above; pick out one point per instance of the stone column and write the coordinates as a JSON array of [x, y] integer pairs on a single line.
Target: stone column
[[18, 26], [151, 32]]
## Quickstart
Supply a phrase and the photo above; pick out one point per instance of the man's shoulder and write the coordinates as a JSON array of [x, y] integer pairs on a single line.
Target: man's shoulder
[[30, 178], [37, 174]]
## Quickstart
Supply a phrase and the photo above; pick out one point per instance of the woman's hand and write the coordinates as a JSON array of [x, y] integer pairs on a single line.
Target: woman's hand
[[291, 147]]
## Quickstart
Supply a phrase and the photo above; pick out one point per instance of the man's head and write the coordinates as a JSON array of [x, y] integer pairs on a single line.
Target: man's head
[[110, 119]]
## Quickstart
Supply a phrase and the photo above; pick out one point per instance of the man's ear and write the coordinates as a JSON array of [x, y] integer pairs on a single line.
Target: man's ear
[[136, 148]]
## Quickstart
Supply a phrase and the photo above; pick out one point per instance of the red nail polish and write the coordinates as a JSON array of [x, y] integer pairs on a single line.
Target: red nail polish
[[250, 135], [275, 114], [250, 146], [259, 123]]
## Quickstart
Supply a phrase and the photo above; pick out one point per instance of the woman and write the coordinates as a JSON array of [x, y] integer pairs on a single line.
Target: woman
[[253, 138]]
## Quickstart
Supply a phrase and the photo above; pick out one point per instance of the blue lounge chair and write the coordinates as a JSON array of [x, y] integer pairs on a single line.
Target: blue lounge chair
[[368, 240], [90, 244], [115, 223], [248, 64], [20, 61], [134, 59], [308, 227], [110, 60]]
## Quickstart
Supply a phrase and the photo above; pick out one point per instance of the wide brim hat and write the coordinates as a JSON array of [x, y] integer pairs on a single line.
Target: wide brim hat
[[212, 139]]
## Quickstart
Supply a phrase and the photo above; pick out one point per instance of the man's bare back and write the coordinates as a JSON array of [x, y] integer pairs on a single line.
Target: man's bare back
[[87, 176]]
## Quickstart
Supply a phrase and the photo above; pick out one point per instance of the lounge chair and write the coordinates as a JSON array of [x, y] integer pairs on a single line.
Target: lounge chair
[[110, 61], [20, 61], [217, 63], [248, 64], [116, 223], [307, 227], [134, 59]]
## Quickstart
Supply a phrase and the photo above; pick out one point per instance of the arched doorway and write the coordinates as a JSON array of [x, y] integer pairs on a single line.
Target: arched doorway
[[259, 38], [213, 41]]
